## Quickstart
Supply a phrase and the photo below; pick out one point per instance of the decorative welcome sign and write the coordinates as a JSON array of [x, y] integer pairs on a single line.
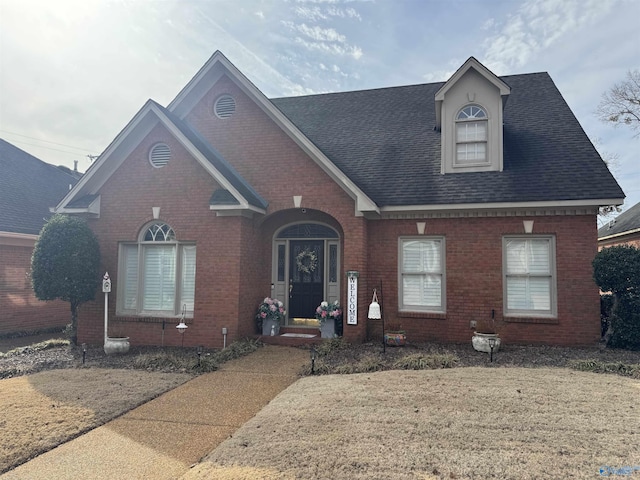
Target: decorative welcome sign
[[352, 298]]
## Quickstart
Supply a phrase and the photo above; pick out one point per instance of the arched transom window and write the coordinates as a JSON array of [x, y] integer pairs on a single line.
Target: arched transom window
[[471, 136], [157, 274]]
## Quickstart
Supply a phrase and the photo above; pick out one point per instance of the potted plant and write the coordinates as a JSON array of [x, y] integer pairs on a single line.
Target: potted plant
[[270, 313], [328, 314], [395, 336], [487, 332]]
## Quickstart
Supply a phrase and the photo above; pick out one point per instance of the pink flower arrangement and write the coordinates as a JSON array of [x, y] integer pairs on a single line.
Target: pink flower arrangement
[[271, 309], [327, 311]]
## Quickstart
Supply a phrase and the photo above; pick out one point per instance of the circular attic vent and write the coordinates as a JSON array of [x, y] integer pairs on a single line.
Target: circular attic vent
[[159, 155], [225, 106]]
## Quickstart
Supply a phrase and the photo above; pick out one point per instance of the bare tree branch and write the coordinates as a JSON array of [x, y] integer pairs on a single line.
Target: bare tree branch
[[621, 104]]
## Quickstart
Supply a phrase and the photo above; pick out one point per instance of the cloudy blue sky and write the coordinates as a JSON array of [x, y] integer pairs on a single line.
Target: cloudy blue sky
[[73, 73]]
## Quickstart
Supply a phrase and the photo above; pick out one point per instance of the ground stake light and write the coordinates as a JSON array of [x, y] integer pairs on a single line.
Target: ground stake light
[[492, 344], [312, 352]]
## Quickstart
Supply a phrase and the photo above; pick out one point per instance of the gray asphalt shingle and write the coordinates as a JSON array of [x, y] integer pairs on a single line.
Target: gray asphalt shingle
[[384, 140], [28, 188]]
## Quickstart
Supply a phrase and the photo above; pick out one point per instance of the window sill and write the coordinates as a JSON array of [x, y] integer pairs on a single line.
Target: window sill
[[534, 320], [425, 315], [148, 319]]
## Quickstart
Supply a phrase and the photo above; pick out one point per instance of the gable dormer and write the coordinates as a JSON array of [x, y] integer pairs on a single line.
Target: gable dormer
[[469, 116]]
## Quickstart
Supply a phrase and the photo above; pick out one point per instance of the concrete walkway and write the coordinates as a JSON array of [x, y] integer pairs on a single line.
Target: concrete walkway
[[163, 438]]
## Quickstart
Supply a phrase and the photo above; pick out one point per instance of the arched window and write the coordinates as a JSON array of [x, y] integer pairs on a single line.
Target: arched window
[[157, 273], [471, 136]]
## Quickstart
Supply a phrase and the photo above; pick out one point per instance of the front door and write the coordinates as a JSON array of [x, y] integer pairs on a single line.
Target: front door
[[306, 278]]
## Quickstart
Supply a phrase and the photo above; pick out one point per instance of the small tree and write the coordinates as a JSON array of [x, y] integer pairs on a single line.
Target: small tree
[[65, 264], [621, 104], [617, 270]]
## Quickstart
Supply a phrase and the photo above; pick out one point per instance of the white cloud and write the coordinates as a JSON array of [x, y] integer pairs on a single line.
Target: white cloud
[[326, 40], [321, 34], [331, 48], [537, 25]]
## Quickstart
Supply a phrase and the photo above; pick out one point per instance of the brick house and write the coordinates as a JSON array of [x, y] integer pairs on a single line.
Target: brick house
[[461, 198], [29, 187], [623, 230]]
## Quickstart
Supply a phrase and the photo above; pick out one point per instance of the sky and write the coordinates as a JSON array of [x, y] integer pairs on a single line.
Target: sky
[[73, 73]]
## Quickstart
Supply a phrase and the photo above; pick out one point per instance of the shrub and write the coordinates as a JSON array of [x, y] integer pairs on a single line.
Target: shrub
[[65, 264], [595, 366], [625, 324], [419, 361], [617, 270]]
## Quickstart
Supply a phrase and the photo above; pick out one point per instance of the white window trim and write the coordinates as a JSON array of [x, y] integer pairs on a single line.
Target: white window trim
[[553, 312], [457, 121], [443, 292], [141, 244]]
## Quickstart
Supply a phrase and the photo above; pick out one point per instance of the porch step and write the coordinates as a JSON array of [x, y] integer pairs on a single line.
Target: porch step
[[297, 337]]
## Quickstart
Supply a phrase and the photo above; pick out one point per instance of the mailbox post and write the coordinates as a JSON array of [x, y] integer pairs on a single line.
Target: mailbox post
[[106, 289]]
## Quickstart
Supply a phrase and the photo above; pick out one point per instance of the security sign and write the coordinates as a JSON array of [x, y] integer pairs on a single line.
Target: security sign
[[106, 283]]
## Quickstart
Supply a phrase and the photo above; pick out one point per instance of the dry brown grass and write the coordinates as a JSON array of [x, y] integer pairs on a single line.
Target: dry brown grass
[[41, 411], [459, 423]]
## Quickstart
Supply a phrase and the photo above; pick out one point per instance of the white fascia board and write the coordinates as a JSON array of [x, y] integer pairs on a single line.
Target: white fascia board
[[18, 239], [363, 202], [482, 70], [621, 234], [506, 205], [122, 145], [93, 208], [235, 211]]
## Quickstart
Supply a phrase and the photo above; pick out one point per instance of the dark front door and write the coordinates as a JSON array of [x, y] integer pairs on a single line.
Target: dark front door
[[306, 277]]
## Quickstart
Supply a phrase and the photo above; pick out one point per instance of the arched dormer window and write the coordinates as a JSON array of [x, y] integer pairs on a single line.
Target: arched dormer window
[[471, 136], [156, 275]]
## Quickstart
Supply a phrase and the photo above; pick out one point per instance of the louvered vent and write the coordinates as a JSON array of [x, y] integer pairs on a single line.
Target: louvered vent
[[225, 106], [159, 155]]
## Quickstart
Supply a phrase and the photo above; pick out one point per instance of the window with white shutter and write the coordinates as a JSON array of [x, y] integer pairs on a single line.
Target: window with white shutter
[[157, 274], [529, 276], [421, 270]]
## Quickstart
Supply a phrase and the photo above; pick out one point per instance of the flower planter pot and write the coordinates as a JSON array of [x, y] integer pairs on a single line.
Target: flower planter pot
[[480, 342], [328, 329], [115, 345], [395, 339], [267, 329]]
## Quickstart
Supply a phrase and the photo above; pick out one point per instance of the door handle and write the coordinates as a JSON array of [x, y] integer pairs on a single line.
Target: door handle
[[290, 290]]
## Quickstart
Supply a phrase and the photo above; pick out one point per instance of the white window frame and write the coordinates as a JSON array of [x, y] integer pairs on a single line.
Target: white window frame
[[131, 283], [471, 115], [440, 273], [551, 274]]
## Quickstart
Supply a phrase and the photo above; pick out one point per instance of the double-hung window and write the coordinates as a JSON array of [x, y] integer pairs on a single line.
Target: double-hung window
[[529, 275], [471, 136], [157, 274], [421, 271]]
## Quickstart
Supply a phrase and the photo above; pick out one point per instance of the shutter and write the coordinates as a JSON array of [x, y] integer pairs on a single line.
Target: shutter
[[188, 286], [130, 280]]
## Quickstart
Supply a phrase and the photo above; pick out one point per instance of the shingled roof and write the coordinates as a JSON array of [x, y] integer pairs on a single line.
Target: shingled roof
[[627, 221], [28, 188], [385, 141]]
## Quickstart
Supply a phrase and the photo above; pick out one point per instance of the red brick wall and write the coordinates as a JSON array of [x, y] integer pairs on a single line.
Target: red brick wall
[[233, 271], [234, 253], [630, 240], [474, 278], [21, 310]]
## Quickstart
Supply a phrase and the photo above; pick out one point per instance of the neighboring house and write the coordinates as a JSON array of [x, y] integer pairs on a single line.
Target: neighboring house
[[623, 230], [459, 199], [28, 189]]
